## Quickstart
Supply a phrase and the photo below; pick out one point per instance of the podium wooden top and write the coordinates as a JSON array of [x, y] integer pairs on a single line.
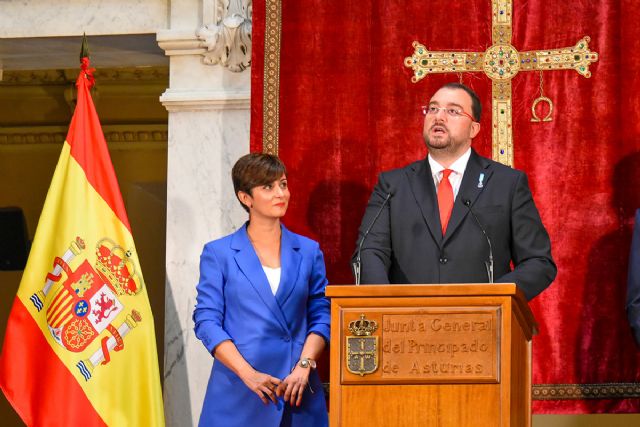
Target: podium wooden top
[[453, 289], [439, 290]]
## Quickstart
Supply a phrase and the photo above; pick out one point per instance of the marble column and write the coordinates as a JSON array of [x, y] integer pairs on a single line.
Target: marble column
[[209, 116]]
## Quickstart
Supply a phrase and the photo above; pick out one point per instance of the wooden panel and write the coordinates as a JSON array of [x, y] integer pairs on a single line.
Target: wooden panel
[[507, 363], [520, 377], [451, 344], [335, 353], [455, 289], [427, 405], [387, 398]]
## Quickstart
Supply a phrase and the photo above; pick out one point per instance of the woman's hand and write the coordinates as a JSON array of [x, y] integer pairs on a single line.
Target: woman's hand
[[262, 384], [292, 387]]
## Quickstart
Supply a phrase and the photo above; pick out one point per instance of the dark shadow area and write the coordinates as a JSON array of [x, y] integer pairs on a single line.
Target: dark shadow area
[[606, 349], [9, 281], [334, 215], [175, 377], [14, 239], [147, 209]]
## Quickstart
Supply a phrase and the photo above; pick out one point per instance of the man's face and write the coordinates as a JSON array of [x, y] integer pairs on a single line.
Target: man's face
[[448, 134]]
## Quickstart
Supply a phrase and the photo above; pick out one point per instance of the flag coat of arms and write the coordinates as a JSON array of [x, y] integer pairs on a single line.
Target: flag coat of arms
[[80, 346]]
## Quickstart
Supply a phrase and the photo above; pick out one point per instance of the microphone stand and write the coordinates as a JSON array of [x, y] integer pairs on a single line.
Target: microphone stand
[[488, 264], [357, 264]]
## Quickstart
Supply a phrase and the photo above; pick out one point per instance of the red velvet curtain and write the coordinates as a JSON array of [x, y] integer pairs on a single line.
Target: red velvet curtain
[[348, 110]]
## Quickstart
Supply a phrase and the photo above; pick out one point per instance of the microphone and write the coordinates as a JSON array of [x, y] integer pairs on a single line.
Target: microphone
[[357, 263], [488, 264]]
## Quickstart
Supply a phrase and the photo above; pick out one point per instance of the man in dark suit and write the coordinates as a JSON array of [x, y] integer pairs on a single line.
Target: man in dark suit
[[426, 231]]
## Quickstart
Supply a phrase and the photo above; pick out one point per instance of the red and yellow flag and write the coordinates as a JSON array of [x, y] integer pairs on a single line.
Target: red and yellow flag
[[80, 346]]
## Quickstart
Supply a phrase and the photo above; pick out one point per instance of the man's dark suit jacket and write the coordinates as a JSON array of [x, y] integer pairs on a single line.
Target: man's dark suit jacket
[[405, 245]]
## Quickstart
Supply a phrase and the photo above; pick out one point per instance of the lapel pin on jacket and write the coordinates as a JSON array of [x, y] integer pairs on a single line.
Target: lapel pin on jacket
[[480, 180]]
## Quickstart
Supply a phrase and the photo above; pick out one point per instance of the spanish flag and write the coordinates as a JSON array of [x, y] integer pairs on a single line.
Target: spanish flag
[[80, 348]]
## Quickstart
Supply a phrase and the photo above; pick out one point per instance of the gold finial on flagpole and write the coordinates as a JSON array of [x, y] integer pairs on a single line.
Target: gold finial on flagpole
[[84, 49]]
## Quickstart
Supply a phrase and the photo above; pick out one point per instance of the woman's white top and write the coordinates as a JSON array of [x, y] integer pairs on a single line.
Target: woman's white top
[[273, 276]]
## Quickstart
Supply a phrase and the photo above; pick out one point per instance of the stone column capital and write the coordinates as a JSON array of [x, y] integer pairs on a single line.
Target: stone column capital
[[224, 37]]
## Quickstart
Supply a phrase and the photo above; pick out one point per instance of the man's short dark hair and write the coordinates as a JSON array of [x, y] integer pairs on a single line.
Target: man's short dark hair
[[253, 170], [476, 106]]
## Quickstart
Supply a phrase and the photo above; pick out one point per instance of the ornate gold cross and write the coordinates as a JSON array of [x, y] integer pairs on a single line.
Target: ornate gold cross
[[501, 62]]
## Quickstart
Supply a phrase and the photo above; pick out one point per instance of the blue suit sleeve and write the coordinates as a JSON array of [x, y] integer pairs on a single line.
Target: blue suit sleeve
[[318, 307], [208, 315]]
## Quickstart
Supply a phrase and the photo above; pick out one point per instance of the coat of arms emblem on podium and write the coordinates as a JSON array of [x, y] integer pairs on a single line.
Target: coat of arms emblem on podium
[[362, 347]]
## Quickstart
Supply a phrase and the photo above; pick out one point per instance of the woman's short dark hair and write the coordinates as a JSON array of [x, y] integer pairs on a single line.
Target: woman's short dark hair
[[255, 169]]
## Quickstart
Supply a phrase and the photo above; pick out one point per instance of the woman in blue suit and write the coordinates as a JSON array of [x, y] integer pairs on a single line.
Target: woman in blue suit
[[261, 311]]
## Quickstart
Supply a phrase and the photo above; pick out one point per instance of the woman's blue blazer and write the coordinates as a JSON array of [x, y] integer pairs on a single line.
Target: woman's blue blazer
[[235, 302]]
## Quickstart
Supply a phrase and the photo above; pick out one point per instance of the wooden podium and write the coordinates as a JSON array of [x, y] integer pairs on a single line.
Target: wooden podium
[[430, 355]]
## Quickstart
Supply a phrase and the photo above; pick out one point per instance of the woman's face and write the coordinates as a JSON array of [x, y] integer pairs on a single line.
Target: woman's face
[[269, 200]]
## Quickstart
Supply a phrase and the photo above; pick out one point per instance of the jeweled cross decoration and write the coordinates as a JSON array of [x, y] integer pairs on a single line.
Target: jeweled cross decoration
[[501, 62]]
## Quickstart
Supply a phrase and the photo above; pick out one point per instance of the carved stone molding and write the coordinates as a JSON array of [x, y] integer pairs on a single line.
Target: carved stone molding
[[179, 42], [586, 391], [189, 100], [28, 137], [226, 33], [68, 76], [48, 97], [114, 134], [36, 77]]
